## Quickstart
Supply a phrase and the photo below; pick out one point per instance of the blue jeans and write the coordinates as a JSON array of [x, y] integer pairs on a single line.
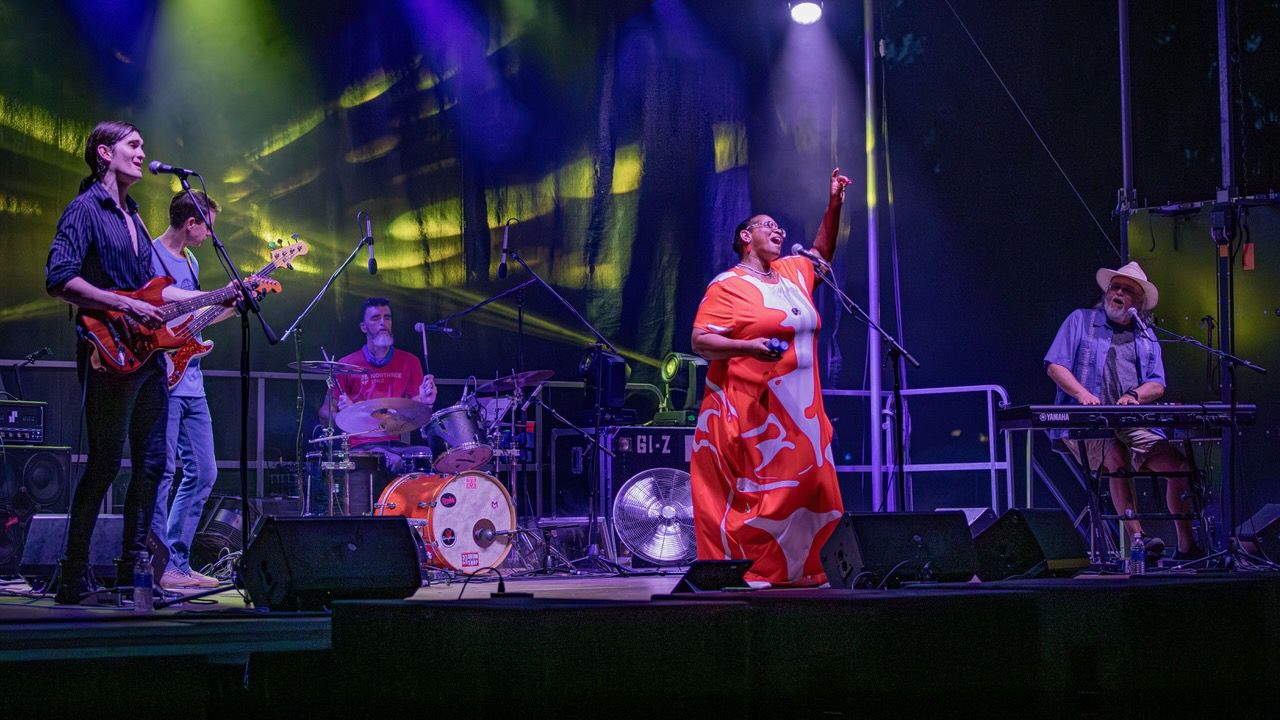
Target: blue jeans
[[190, 437]]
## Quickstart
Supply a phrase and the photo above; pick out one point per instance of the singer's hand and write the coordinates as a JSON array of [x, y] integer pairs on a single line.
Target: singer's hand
[[760, 350], [427, 391], [838, 183]]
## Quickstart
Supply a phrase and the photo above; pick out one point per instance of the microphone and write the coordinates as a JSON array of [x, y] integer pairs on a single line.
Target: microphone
[[419, 327], [529, 401], [368, 235], [486, 535], [1137, 319], [156, 167], [814, 257], [502, 264]]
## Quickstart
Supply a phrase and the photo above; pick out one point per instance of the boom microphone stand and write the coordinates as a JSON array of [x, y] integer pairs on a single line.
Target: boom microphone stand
[[1231, 551], [897, 354], [249, 302]]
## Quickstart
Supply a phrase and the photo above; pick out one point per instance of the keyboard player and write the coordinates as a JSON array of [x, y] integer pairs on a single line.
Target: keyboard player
[[1101, 356]]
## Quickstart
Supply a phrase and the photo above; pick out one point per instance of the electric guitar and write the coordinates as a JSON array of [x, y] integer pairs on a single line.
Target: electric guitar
[[179, 359], [121, 344]]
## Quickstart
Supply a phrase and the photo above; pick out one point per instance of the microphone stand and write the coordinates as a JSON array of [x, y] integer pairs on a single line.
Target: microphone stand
[[897, 354], [1231, 550], [248, 304]]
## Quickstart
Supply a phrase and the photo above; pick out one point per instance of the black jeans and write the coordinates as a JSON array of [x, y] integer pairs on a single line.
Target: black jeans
[[119, 406]]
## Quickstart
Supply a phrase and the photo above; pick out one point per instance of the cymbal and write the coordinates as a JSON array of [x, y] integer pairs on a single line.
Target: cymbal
[[328, 367], [525, 379], [392, 416]]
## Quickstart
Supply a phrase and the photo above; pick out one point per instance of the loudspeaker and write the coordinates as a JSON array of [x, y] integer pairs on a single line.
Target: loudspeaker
[[1260, 534], [1030, 543], [38, 474], [219, 529], [870, 549], [47, 540], [713, 575], [303, 563], [979, 518]]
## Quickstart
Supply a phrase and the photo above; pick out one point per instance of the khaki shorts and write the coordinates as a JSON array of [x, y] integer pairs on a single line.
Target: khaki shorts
[[1141, 444]]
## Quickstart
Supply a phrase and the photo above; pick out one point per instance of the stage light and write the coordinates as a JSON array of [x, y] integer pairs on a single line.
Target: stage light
[[806, 13], [682, 375]]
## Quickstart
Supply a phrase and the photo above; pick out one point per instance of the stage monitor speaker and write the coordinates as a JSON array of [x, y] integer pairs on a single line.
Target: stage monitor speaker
[[1260, 534], [303, 563], [872, 549], [40, 474], [47, 541], [979, 518], [1030, 543], [713, 575]]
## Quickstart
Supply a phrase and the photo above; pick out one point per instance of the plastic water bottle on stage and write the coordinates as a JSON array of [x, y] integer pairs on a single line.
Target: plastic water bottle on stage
[[1137, 556], [143, 599]]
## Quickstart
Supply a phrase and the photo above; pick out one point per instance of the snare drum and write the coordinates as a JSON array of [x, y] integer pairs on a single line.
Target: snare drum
[[415, 458], [456, 439], [469, 517]]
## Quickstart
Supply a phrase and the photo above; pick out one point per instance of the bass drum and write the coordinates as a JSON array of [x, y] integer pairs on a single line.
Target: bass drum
[[469, 517]]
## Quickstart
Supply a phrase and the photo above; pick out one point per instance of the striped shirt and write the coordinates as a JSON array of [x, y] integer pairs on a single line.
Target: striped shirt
[[93, 242]]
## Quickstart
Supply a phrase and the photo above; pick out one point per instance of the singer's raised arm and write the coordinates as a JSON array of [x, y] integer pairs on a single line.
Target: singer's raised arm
[[825, 241]]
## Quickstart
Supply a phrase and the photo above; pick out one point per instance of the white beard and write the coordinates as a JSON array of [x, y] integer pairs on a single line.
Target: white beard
[[1115, 314], [380, 341]]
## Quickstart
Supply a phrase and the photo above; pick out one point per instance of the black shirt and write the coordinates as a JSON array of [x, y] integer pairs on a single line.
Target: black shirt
[[93, 242]]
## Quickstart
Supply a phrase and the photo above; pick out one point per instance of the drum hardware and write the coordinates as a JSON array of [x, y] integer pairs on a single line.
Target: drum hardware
[[515, 381]]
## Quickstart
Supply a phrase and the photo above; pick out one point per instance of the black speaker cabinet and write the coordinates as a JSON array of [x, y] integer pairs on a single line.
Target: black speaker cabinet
[[36, 474], [46, 542], [1030, 543], [870, 549], [1260, 534], [303, 563]]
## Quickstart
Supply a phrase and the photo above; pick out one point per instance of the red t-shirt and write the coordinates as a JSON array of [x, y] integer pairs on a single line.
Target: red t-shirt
[[399, 378]]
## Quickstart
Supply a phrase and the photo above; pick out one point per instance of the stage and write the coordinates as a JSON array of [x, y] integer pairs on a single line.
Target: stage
[[1105, 646]]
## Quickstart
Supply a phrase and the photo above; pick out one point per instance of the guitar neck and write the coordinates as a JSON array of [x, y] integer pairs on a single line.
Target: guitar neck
[[204, 319]]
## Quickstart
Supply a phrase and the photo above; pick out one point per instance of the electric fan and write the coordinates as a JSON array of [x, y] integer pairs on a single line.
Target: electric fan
[[653, 516]]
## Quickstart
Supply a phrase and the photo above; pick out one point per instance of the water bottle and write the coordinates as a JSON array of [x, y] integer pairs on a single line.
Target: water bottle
[[143, 599], [1137, 556]]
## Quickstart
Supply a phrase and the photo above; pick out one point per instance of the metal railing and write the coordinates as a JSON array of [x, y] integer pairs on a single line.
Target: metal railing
[[994, 464]]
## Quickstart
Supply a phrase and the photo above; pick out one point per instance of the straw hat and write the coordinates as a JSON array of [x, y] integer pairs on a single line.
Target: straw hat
[[1133, 272]]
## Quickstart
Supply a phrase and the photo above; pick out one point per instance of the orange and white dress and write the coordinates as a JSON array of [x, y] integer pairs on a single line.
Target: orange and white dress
[[764, 481]]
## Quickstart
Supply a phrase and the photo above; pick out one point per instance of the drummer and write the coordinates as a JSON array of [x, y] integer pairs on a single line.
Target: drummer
[[392, 373]]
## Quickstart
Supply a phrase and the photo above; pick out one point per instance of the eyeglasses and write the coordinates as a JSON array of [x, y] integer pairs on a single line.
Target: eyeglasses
[[768, 225]]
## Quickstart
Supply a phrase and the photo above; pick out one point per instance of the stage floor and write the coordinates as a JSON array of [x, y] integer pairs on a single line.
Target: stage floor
[[609, 645]]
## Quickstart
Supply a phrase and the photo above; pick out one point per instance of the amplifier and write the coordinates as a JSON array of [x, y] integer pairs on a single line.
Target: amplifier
[[22, 421], [566, 493]]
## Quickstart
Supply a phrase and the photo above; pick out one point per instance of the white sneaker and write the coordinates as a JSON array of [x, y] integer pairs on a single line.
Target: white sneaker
[[203, 580], [174, 579]]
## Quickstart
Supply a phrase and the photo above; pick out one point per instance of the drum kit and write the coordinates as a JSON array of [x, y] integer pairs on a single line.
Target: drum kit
[[464, 514]]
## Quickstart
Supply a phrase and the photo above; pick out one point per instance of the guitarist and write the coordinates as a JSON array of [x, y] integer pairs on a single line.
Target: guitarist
[[190, 426], [102, 245]]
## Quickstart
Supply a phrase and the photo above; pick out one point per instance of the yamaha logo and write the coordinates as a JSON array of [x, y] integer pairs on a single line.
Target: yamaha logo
[[1054, 417]]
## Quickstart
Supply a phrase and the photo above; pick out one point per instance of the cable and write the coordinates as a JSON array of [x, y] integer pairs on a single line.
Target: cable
[[1032, 126], [888, 575], [502, 587]]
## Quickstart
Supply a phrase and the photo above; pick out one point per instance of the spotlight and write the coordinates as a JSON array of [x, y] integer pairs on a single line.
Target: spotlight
[[682, 374], [806, 13]]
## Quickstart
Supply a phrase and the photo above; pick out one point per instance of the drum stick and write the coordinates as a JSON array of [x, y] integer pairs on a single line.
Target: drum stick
[[426, 364]]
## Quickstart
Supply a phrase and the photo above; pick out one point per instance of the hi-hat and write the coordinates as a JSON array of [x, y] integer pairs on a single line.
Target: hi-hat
[[328, 367], [507, 383], [392, 416]]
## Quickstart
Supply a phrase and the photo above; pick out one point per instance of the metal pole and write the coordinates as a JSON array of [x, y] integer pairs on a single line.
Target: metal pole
[[1128, 195], [1226, 290], [873, 263]]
